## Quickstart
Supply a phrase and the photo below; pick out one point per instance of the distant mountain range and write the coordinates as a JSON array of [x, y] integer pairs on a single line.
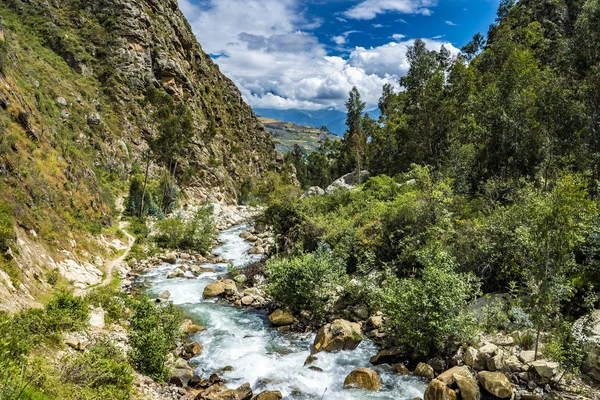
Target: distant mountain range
[[334, 120], [287, 134]]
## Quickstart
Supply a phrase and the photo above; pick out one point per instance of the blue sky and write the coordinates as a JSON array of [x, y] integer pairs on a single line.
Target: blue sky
[[309, 53]]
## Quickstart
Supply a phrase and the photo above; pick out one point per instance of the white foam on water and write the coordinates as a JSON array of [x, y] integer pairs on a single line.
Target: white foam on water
[[260, 355]]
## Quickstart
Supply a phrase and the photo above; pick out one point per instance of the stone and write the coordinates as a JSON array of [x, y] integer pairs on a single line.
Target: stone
[[247, 300], [315, 368], [436, 390], [361, 312], [527, 356], [400, 369], [164, 296], [545, 369], [269, 395], [488, 351], [447, 377], [424, 371], [221, 287], [170, 258], [469, 389], [181, 376], [191, 350], [61, 101], [97, 318], [513, 364], [389, 356], [473, 360], [347, 181], [281, 318], [438, 364], [338, 335], [313, 191], [94, 119], [200, 269], [177, 273], [363, 378], [495, 383], [243, 392], [240, 279], [496, 363], [189, 328], [376, 321]]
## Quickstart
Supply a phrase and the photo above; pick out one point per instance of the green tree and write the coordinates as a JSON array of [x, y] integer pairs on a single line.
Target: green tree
[[354, 139]]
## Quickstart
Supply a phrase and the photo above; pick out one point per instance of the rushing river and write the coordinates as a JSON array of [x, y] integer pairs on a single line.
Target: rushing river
[[260, 355]]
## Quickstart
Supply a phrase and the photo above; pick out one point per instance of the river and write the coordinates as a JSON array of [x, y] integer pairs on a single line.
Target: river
[[260, 355]]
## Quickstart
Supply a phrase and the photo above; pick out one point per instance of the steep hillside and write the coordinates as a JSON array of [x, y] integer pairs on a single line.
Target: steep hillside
[[85, 88], [287, 134]]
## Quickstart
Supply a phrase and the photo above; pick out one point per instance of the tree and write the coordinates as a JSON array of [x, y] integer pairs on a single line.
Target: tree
[[504, 8], [474, 47], [355, 141]]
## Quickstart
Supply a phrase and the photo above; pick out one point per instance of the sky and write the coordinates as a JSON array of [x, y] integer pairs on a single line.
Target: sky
[[308, 54]]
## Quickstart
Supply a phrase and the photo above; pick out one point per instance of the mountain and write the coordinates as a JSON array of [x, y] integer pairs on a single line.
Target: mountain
[[287, 134], [334, 120], [85, 89]]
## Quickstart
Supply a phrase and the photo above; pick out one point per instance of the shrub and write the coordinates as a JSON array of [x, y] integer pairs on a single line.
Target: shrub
[[133, 202], [66, 312], [197, 234], [110, 299], [7, 232], [308, 282], [102, 369], [428, 315], [153, 332]]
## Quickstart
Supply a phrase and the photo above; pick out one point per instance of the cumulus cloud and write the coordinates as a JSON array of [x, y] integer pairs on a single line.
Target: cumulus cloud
[[276, 63], [369, 9]]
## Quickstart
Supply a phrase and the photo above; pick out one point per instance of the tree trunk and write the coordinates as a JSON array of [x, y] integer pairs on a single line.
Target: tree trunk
[[537, 341], [145, 184]]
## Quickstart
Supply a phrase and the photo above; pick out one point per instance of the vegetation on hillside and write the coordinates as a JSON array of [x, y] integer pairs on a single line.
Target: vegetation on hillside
[[484, 180]]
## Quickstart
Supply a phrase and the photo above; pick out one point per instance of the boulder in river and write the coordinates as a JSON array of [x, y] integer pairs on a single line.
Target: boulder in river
[[170, 258], [243, 392], [177, 273], [223, 287], [424, 371], [181, 376], [392, 355], [269, 395], [448, 377], [338, 335], [438, 391], [496, 384], [189, 328], [281, 318], [363, 378], [191, 350], [163, 296]]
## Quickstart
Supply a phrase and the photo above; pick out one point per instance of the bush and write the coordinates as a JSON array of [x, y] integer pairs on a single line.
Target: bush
[[102, 369], [308, 282], [111, 300], [429, 314], [133, 202], [66, 312], [197, 234], [7, 231], [153, 332]]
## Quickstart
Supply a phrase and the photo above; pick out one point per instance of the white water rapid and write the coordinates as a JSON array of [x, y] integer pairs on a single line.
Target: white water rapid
[[260, 355]]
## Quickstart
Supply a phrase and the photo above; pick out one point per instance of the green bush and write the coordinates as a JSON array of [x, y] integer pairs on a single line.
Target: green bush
[[153, 332], [111, 300], [103, 369], [429, 315], [7, 231], [197, 234], [133, 202], [308, 282]]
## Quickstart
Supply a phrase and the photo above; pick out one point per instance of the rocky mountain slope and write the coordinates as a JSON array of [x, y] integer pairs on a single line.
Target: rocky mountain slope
[[76, 120], [286, 135]]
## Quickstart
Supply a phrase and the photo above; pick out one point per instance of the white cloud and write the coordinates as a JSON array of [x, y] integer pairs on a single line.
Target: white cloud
[[277, 63], [398, 36], [369, 9], [450, 23]]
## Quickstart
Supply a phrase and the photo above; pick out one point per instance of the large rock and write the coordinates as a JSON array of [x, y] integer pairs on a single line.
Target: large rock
[[447, 377], [362, 378], [189, 328], [424, 371], [97, 318], [191, 350], [545, 369], [181, 376], [244, 392], [436, 390], [338, 335], [496, 384], [469, 389], [223, 287], [281, 318], [313, 191], [269, 395], [176, 273], [527, 356], [392, 355], [347, 181], [473, 360]]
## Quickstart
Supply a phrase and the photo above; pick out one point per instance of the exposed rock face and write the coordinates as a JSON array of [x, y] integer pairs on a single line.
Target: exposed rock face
[[496, 384], [281, 318], [347, 181], [191, 350], [362, 378], [438, 391], [223, 287], [339, 335]]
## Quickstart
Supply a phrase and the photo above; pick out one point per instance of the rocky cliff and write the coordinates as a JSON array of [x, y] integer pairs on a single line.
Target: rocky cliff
[[76, 121]]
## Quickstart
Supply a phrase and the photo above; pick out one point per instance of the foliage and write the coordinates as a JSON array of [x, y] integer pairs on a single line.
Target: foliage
[[133, 202], [198, 233], [102, 370], [154, 330], [111, 300], [307, 282], [428, 314], [7, 233]]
